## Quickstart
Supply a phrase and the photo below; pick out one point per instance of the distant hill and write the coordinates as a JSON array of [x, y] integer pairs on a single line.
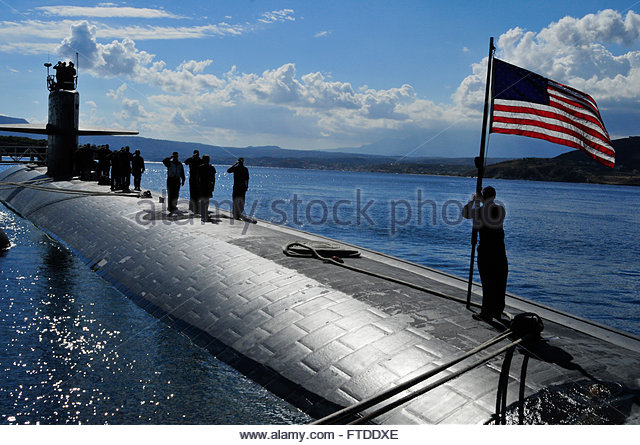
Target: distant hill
[[157, 149], [457, 143], [11, 120], [574, 166], [272, 156]]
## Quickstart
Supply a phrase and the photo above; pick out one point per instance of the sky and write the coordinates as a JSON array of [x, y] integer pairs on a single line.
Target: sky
[[313, 74]]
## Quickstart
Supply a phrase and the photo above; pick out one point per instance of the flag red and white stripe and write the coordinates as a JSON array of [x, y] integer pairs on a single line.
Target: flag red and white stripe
[[527, 104]]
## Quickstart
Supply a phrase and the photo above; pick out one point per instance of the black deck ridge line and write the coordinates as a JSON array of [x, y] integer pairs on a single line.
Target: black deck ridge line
[[304, 400]]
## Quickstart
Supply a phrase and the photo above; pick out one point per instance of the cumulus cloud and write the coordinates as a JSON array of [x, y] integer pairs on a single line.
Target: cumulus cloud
[[281, 104], [123, 59], [278, 101], [574, 51]]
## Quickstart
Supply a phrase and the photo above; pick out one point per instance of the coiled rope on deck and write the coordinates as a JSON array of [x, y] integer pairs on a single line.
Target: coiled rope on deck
[[297, 249]]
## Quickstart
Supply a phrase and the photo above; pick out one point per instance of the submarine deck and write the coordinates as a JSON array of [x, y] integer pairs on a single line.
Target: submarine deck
[[322, 336]]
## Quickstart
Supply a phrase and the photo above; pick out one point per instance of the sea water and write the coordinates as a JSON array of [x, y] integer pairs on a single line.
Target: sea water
[[75, 350]]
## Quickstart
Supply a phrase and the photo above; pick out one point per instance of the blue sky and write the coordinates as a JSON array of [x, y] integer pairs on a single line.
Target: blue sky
[[313, 74]]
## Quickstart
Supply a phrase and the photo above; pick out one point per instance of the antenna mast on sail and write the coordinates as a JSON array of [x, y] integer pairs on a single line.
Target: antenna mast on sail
[[480, 161], [77, 70]]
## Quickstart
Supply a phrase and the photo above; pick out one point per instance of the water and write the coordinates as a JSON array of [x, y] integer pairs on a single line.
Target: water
[[74, 350]]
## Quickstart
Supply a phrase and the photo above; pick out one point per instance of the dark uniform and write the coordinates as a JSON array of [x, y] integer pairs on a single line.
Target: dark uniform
[[492, 256], [103, 162], [240, 186], [193, 162], [206, 185], [114, 159], [137, 169], [126, 158], [175, 177]]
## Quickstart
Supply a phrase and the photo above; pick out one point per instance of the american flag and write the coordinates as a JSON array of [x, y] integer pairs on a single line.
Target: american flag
[[528, 104]]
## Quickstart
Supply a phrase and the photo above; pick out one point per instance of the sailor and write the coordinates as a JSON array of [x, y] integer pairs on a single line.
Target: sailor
[[118, 162], [103, 164], [61, 71], [206, 184], [175, 178], [492, 258], [193, 162], [240, 186], [126, 159], [83, 159], [115, 169], [69, 80], [65, 75], [137, 169]]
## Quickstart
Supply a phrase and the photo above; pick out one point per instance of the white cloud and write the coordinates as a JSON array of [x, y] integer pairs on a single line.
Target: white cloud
[[41, 36], [105, 11], [132, 110], [322, 34], [574, 51], [275, 105], [123, 59], [282, 106], [283, 15]]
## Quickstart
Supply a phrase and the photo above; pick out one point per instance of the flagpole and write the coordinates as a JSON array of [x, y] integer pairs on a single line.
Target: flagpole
[[479, 161]]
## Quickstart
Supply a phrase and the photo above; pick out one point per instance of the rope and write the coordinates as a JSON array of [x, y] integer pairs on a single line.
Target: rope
[[338, 262]]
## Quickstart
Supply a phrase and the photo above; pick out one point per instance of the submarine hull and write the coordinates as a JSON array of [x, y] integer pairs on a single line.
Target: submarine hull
[[324, 337]]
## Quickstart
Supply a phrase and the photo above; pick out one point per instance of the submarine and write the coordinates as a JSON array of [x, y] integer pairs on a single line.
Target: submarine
[[344, 333]]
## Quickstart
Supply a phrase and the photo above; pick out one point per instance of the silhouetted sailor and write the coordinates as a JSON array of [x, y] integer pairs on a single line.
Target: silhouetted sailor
[[206, 185], [70, 75], [65, 75], [83, 160], [61, 70], [137, 169], [240, 186], [118, 168], [103, 164], [492, 258], [115, 172], [175, 178], [126, 159], [193, 162]]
